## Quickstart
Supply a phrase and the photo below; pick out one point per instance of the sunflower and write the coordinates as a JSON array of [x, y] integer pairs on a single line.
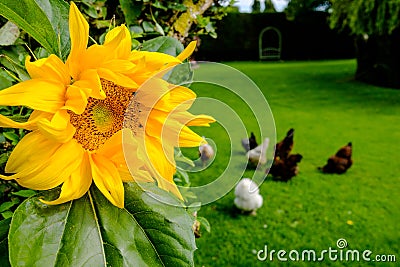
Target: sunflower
[[159, 111], [78, 121]]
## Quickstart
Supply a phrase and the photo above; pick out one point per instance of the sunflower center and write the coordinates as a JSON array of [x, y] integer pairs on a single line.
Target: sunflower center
[[102, 118]]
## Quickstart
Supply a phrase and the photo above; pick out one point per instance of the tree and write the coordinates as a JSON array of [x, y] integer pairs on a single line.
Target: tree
[[269, 7], [366, 17], [256, 7], [298, 8], [183, 19], [375, 26]]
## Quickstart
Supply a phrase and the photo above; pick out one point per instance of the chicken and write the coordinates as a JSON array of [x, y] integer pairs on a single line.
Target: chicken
[[249, 143], [286, 169], [258, 155], [247, 196], [284, 147], [285, 165], [206, 152], [340, 162], [252, 141]]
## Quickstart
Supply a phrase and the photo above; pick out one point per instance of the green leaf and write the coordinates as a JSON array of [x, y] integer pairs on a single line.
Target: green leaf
[[131, 10], [11, 136], [182, 158], [9, 33], [3, 158], [57, 12], [24, 193], [5, 79], [91, 231], [148, 26], [7, 214], [184, 175], [136, 29], [177, 6], [4, 228], [28, 16], [204, 223], [135, 44], [14, 60], [158, 4], [6, 206], [159, 29], [163, 44], [90, 10]]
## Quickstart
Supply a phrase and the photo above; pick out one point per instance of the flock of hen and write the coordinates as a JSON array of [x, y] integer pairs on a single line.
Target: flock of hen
[[284, 166]]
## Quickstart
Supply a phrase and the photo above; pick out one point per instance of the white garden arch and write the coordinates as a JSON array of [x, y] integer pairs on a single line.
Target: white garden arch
[[270, 43]]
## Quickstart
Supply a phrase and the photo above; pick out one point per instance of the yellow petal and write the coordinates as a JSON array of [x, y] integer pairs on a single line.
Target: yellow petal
[[137, 56], [50, 68], [117, 78], [187, 52], [76, 185], [89, 81], [188, 138], [122, 150], [107, 179], [151, 92], [119, 39], [156, 123], [119, 66], [53, 171], [109, 67], [31, 152], [158, 94], [7, 178], [113, 147], [161, 159], [35, 116], [179, 98], [79, 32], [165, 128], [116, 47], [162, 165], [155, 61], [76, 99], [37, 94], [192, 120], [58, 128], [201, 120], [134, 168], [9, 123], [170, 187]]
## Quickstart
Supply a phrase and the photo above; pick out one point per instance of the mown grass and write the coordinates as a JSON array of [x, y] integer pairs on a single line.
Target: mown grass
[[327, 109]]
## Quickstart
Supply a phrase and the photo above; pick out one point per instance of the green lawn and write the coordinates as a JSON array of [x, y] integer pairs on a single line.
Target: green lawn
[[327, 109]]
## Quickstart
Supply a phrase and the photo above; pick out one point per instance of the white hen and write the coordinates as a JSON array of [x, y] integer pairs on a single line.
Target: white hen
[[258, 155], [247, 197]]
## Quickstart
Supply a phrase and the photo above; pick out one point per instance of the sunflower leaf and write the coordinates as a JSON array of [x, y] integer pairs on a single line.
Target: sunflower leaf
[[91, 231], [131, 10], [57, 12], [163, 44], [45, 20]]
